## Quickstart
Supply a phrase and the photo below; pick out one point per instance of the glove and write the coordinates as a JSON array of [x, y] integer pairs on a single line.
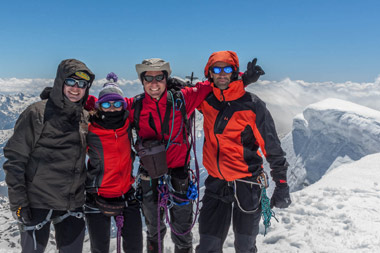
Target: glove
[[280, 197], [253, 72], [23, 214], [90, 103]]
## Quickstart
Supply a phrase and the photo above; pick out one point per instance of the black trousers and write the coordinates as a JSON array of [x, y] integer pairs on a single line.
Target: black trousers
[[181, 217], [69, 233], [218, 207], [99, 226]]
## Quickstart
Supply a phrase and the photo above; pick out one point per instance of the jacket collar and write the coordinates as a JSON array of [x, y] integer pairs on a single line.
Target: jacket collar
[[234, 91]]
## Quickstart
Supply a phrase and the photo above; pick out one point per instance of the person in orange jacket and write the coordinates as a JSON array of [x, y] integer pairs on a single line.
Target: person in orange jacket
[[236, 124]]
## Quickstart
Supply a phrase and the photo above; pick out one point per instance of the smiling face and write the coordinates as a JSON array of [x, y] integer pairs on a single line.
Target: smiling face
[[155, 88], [74, 93], [221, 80]]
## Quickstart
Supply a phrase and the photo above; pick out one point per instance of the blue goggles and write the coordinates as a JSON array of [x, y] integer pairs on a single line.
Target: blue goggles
[[218, 70], [72, 82], [116, 104]]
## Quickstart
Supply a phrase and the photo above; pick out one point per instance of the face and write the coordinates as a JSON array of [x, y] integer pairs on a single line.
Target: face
[[221, 80], [74, 94], [155, 88], [111, 108]]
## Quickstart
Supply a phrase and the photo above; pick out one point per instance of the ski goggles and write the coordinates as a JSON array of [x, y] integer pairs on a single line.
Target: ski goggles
[[72, 82], [116, 104], [218, 70], [158, 78]]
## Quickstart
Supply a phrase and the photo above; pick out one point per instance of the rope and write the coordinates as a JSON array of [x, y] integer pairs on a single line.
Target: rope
[[119, 225], [237, 199], [165, 197], [167, 146], [266, 212]]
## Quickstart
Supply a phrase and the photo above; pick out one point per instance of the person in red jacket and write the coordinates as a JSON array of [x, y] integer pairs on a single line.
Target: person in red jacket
[[236, 124], [109, 177], [160, 120]]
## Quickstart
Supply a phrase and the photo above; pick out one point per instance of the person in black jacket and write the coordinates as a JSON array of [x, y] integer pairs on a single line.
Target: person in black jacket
[[45, 166]]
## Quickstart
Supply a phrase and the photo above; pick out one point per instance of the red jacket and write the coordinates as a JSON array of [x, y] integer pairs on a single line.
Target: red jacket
[[236, 124], [110, 164], [152, 114]]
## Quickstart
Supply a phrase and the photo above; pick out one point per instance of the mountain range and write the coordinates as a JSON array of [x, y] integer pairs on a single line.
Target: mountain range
[[333, 150]]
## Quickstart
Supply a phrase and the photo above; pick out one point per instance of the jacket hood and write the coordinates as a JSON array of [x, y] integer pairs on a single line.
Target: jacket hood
[[229, 57], [65, 69]]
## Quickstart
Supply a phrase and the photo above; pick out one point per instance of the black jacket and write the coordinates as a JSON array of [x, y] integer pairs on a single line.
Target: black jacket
[[45, 165]]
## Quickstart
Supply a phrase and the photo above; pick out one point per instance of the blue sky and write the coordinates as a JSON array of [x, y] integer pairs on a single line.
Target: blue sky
[[301, 39]]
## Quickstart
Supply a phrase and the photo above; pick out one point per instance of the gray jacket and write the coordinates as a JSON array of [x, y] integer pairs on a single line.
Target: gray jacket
[[45, 165]]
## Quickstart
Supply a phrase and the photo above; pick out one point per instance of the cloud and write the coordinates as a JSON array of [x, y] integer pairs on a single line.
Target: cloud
[[35, 86], [285, 98]]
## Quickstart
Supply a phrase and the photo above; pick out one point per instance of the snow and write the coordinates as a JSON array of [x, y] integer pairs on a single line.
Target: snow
[[339, 213], [327, 134]]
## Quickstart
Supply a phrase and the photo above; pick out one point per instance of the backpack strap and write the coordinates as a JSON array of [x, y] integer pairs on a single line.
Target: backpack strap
[[169, 105], [175, 98], [137, 106]]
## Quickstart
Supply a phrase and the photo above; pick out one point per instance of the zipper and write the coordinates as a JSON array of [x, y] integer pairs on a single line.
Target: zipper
[[161, 123], [118, 150], [216, 127], [217, 156]]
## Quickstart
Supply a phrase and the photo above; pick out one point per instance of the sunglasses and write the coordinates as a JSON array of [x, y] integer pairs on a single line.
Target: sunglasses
[[150, 78], [72, 82], [218, 70], [107, 105]]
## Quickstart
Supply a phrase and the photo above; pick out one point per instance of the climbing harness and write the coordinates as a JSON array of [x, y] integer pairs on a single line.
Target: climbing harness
[[119, 219], [266, 212], [58, 219]]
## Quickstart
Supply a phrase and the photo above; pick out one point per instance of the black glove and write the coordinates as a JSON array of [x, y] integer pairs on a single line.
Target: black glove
[[23, 214], [253, 72], [280, 197]]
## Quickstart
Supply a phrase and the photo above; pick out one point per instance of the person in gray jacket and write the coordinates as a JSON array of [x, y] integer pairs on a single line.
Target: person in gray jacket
[[45, 166]]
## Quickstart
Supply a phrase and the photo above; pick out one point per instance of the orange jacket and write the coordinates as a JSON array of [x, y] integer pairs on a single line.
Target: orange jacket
[[236, 124]]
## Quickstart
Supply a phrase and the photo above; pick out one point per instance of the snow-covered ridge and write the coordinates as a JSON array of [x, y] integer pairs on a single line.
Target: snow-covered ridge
[[327, 134]]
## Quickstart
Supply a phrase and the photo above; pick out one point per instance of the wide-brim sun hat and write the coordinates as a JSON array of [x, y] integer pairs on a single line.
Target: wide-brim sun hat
[[153, 64]]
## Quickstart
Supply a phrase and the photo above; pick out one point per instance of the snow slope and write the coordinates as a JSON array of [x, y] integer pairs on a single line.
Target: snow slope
[[327, 134], [338, 214]]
